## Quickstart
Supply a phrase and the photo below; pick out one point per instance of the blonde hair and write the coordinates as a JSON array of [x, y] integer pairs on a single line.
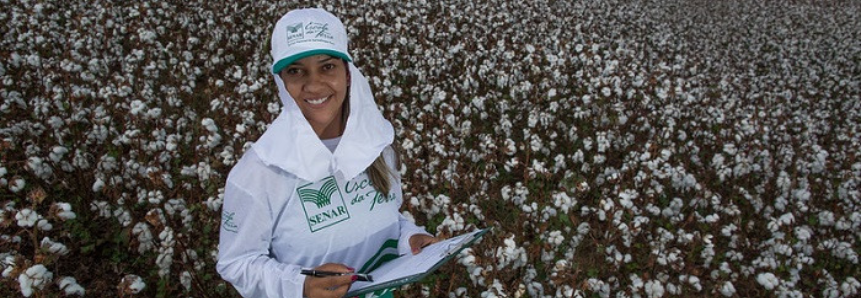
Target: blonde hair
[[380, 175], [378, 172]]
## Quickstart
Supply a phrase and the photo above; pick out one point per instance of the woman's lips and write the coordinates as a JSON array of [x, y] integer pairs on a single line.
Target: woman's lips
[[317, 101]]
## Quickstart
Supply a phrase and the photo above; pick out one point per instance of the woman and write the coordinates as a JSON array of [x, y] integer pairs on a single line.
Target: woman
[[319, 189]]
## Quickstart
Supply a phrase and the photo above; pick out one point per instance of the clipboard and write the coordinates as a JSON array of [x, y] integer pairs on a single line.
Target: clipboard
[[409, 268]]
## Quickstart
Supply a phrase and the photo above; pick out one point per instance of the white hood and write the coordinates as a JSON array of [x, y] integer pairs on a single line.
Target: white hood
[[291, 144]]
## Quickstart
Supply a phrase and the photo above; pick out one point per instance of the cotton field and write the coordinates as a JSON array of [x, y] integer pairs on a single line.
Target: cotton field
[[617, 148]]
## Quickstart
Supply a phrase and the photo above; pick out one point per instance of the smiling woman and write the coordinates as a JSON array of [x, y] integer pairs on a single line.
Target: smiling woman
[[287, 203], [319, 85]]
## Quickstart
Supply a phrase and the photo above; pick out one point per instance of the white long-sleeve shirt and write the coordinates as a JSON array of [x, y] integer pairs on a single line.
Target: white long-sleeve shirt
[[273, 224]]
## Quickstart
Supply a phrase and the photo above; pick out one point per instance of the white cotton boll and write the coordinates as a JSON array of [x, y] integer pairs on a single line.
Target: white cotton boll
[[54, 247], [626, 198], [189, 171], [70, 286], [673, 290], [39, 167], [661, 93], [34, 277], [407, 145], [843, 224], [153, 113], [767, 280], [511, 254], [695, 282], [8, 271], [26, 218], [214, 203], [730, 149], [57, 153], [636, 282], [102, 207], [64, 211], [273, 108], [144, 235], [654, 289], [204, 171], [727, 289], [583, 228], [453, 223], [124, 218], [98, 185], [606, 91], [826, 218], [164, 261], [510, 147], [466, 257], [556, 238], [185, 280], [803, 233], [17, 185], [136, 107], [563, 202], [527, 208], [7, 260], [133, 283], [712, 218], [34, 60], [850, 287], [174, 205], [44, 225], [26, 285], [209, 124], [787, 219], [831, 291], [599, 286], [166, 237]]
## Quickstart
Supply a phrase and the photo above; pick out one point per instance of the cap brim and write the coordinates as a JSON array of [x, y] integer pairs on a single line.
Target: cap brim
[[284, 62]]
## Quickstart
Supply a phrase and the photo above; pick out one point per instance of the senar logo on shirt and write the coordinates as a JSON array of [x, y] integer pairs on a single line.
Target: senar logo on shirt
[[323, 203]]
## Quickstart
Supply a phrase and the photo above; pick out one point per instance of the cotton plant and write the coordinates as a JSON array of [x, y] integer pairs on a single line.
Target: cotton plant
[[131, 284], [32, 275], [69, 286], [34, 279], [651, 103]]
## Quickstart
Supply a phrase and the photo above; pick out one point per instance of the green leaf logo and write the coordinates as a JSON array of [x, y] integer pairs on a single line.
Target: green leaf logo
[[322, 197], [294, 28], [322, 203]]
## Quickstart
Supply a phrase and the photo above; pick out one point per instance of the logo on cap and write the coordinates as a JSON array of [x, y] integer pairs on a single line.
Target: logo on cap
[[310, 32], [295, 31], [320, 30]]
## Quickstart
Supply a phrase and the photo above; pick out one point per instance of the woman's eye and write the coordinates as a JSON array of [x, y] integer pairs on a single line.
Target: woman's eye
[[328, 66], [293, 71]]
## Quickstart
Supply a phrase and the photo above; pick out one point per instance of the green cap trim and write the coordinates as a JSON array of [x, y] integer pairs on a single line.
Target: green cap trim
[[281, 64]]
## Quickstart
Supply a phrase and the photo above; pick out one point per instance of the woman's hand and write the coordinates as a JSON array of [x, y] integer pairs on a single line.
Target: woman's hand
[[329, 286], [419, 241]]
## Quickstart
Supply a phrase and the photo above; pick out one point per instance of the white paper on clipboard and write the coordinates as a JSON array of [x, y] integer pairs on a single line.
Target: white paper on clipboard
[[409, 268]]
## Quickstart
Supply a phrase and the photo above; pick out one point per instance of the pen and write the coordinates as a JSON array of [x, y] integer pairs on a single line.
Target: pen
[[320, 273]]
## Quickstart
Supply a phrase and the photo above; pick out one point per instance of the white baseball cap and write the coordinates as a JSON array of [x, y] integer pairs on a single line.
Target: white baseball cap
[[306, 32]]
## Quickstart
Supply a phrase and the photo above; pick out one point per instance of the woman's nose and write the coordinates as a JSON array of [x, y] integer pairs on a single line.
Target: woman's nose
[[314, 83]]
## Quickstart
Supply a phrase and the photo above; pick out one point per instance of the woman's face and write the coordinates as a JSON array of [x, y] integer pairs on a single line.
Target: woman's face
[[319, 86]]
